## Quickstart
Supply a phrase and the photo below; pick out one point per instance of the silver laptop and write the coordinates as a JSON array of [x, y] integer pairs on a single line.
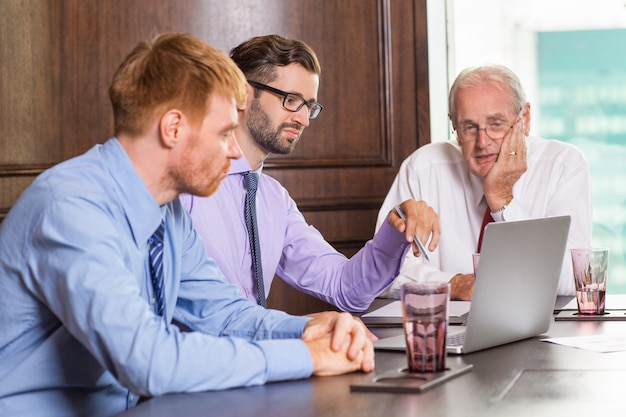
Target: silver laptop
[[516, 284]]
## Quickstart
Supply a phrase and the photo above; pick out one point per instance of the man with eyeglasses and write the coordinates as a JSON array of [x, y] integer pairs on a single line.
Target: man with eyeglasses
[[494, 172], [283, 79]]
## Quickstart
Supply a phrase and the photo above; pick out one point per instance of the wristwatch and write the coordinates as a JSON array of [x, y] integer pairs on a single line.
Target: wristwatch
[[501, 209]]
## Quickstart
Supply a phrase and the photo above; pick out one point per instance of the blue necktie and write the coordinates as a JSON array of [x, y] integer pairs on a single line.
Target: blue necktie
[[252, 182], [156, 266]]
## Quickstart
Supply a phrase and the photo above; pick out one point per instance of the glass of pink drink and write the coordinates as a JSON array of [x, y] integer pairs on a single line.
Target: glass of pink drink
[[590, 267], [425, 318]]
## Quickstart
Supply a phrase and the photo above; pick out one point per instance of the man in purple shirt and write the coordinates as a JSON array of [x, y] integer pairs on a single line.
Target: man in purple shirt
[[283, 79]]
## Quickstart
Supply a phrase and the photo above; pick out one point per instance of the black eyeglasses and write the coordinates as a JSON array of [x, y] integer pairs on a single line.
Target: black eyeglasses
[[291, 101]]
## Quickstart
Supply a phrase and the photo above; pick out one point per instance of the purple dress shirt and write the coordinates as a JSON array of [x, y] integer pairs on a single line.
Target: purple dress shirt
[[290, 247]]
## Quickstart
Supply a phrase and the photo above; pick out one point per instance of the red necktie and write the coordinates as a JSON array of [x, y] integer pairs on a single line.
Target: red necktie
[[486, 219]]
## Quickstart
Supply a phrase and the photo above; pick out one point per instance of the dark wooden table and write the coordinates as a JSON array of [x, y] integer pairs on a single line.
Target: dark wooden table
[[525, 378]]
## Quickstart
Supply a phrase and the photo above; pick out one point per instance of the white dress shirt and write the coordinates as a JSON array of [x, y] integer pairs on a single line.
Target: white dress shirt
[[557, 182]]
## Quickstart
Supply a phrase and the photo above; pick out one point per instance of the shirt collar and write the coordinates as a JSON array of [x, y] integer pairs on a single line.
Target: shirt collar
[[238, 166], [141, 209], [476, 183]]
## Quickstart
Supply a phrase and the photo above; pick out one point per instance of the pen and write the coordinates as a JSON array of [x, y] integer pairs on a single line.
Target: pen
[[417, 239]]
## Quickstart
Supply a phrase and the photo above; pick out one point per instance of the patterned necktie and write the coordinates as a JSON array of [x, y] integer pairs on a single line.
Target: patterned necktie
[[252, 182], [156, 266], [486, 219]]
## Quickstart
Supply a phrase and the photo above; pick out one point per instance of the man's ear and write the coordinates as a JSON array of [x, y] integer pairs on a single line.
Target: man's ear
[[249, 94], [171, 127], [454, 129], [526, 119]]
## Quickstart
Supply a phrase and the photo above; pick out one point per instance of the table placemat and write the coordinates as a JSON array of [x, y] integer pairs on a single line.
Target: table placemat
[[609, 315], [402, 381]]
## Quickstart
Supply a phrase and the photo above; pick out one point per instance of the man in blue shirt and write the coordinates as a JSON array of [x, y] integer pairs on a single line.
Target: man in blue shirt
[[82, 329]]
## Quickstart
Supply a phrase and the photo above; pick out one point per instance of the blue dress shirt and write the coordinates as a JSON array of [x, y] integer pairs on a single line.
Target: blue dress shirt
[[78, 331]]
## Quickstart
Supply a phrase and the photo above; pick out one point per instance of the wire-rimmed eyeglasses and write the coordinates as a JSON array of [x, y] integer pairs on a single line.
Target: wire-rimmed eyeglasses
[[496, 130], [292, 102]]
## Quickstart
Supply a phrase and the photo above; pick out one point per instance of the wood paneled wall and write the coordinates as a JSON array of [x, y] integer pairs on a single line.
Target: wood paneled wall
[[57, 58]]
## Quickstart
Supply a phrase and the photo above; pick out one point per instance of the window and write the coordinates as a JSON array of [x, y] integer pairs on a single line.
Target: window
[[571, 63]]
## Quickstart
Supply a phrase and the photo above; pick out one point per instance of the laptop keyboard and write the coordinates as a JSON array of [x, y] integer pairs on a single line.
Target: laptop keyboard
[[456, 339]]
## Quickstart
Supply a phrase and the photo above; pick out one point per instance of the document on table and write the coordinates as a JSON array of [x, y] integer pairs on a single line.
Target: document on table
[[394, 309], [602, 343]]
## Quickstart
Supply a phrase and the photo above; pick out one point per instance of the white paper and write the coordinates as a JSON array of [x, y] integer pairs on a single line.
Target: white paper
[[394, 309], [602, 343]]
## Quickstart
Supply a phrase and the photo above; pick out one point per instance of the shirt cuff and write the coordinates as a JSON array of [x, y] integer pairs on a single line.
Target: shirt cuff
[[498, 215], [389, 241], [287, 359]]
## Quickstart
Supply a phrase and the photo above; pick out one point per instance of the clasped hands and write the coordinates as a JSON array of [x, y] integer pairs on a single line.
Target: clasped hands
[[339, 343]]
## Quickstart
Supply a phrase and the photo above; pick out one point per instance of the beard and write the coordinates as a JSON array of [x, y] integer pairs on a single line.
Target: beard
[[193, 178], [263, 133]]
